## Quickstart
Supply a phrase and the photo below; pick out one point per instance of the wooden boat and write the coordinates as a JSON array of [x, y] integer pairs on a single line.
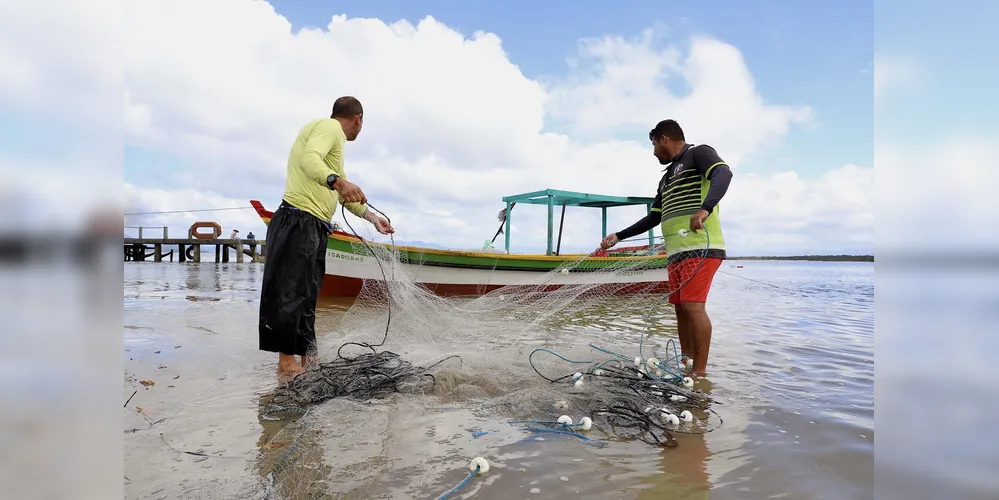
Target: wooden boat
[[461, 272]]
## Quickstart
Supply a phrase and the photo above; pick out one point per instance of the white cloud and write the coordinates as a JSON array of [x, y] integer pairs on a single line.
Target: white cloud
[[816, 216], [69, 68], [627, 85], [146, 200], [938, 197], [451, 124]]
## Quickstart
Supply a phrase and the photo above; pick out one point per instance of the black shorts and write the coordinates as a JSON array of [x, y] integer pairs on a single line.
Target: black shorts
[[294, 265]]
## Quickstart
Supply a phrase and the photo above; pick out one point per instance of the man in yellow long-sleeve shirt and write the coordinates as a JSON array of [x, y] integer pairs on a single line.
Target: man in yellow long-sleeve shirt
[[296, 236]]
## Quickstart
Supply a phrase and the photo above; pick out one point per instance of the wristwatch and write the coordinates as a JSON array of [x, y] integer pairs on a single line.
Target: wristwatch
[[331, 180]]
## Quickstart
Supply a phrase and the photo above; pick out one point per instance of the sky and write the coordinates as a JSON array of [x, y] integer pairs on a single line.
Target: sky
[[465, 102]]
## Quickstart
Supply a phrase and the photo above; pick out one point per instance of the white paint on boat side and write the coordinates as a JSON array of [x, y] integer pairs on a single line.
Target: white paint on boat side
[[363, 267]]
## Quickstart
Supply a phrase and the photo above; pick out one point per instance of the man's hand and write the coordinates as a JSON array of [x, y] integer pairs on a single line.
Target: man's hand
[[609, 241], [349, 192], [382, 225], [697, 220]]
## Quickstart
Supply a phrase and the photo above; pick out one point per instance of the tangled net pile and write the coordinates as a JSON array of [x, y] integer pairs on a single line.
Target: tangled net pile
[[369, 375]]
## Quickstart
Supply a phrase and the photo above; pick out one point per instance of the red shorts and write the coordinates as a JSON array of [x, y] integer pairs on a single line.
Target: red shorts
[[693, 277]]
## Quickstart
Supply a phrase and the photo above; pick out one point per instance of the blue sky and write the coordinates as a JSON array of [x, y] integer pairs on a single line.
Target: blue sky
[[954, 92], [801, 53]]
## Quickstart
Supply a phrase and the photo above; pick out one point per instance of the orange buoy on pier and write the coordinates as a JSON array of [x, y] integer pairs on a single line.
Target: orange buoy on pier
[[194, 233]]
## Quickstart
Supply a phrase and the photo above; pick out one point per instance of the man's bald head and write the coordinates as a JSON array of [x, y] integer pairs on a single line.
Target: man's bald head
[[348, 111]]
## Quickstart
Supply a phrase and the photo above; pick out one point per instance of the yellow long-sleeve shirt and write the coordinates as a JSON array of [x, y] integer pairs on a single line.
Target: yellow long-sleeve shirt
[[317, 153]]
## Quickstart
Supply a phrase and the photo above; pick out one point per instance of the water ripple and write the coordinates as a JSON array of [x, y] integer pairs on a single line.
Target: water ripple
[[792, 366]]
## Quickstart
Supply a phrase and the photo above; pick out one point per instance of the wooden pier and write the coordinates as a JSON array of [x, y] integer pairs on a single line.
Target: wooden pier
[[189, 249]]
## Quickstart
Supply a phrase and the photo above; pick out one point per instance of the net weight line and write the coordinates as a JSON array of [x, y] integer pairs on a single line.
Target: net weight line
[[645, 402]]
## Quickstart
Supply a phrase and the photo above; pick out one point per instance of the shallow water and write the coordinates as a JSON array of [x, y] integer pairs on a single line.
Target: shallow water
[[792, 365]]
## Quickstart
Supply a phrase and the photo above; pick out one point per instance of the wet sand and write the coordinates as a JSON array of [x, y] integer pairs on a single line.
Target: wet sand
[[795, 382]]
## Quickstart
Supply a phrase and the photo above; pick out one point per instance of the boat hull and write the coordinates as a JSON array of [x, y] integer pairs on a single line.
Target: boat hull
[[349, 262], [346, 272]]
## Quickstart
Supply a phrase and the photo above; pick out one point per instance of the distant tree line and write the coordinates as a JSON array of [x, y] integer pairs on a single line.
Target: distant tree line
[[826, 258]]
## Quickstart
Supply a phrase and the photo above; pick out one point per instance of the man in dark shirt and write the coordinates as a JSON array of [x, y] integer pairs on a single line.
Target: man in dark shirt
[[251, 240], [696, 179]]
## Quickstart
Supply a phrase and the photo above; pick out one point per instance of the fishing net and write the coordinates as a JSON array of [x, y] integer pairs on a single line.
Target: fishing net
[[550, 354], [368, 375]]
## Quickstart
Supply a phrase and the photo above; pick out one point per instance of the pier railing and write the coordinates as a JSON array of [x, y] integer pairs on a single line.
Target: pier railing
[[150, 230]]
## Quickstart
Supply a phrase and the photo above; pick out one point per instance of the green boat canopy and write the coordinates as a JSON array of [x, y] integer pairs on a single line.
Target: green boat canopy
[[555, 197]]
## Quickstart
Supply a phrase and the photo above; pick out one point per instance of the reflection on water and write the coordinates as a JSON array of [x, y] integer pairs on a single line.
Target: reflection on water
[[791, 363]]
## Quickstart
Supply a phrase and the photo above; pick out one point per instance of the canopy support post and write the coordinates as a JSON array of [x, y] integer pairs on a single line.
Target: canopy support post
[[509, 207], [551, 214], [561, 222]]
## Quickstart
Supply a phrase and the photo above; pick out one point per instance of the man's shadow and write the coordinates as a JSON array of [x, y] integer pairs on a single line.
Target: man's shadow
[[291, 461], [683, 469]]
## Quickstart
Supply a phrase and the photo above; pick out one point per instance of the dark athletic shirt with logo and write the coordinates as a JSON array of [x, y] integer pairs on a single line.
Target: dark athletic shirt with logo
[[696, 179]]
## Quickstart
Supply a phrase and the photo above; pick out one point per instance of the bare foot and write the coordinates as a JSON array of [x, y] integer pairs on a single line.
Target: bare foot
[[288, 368]]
